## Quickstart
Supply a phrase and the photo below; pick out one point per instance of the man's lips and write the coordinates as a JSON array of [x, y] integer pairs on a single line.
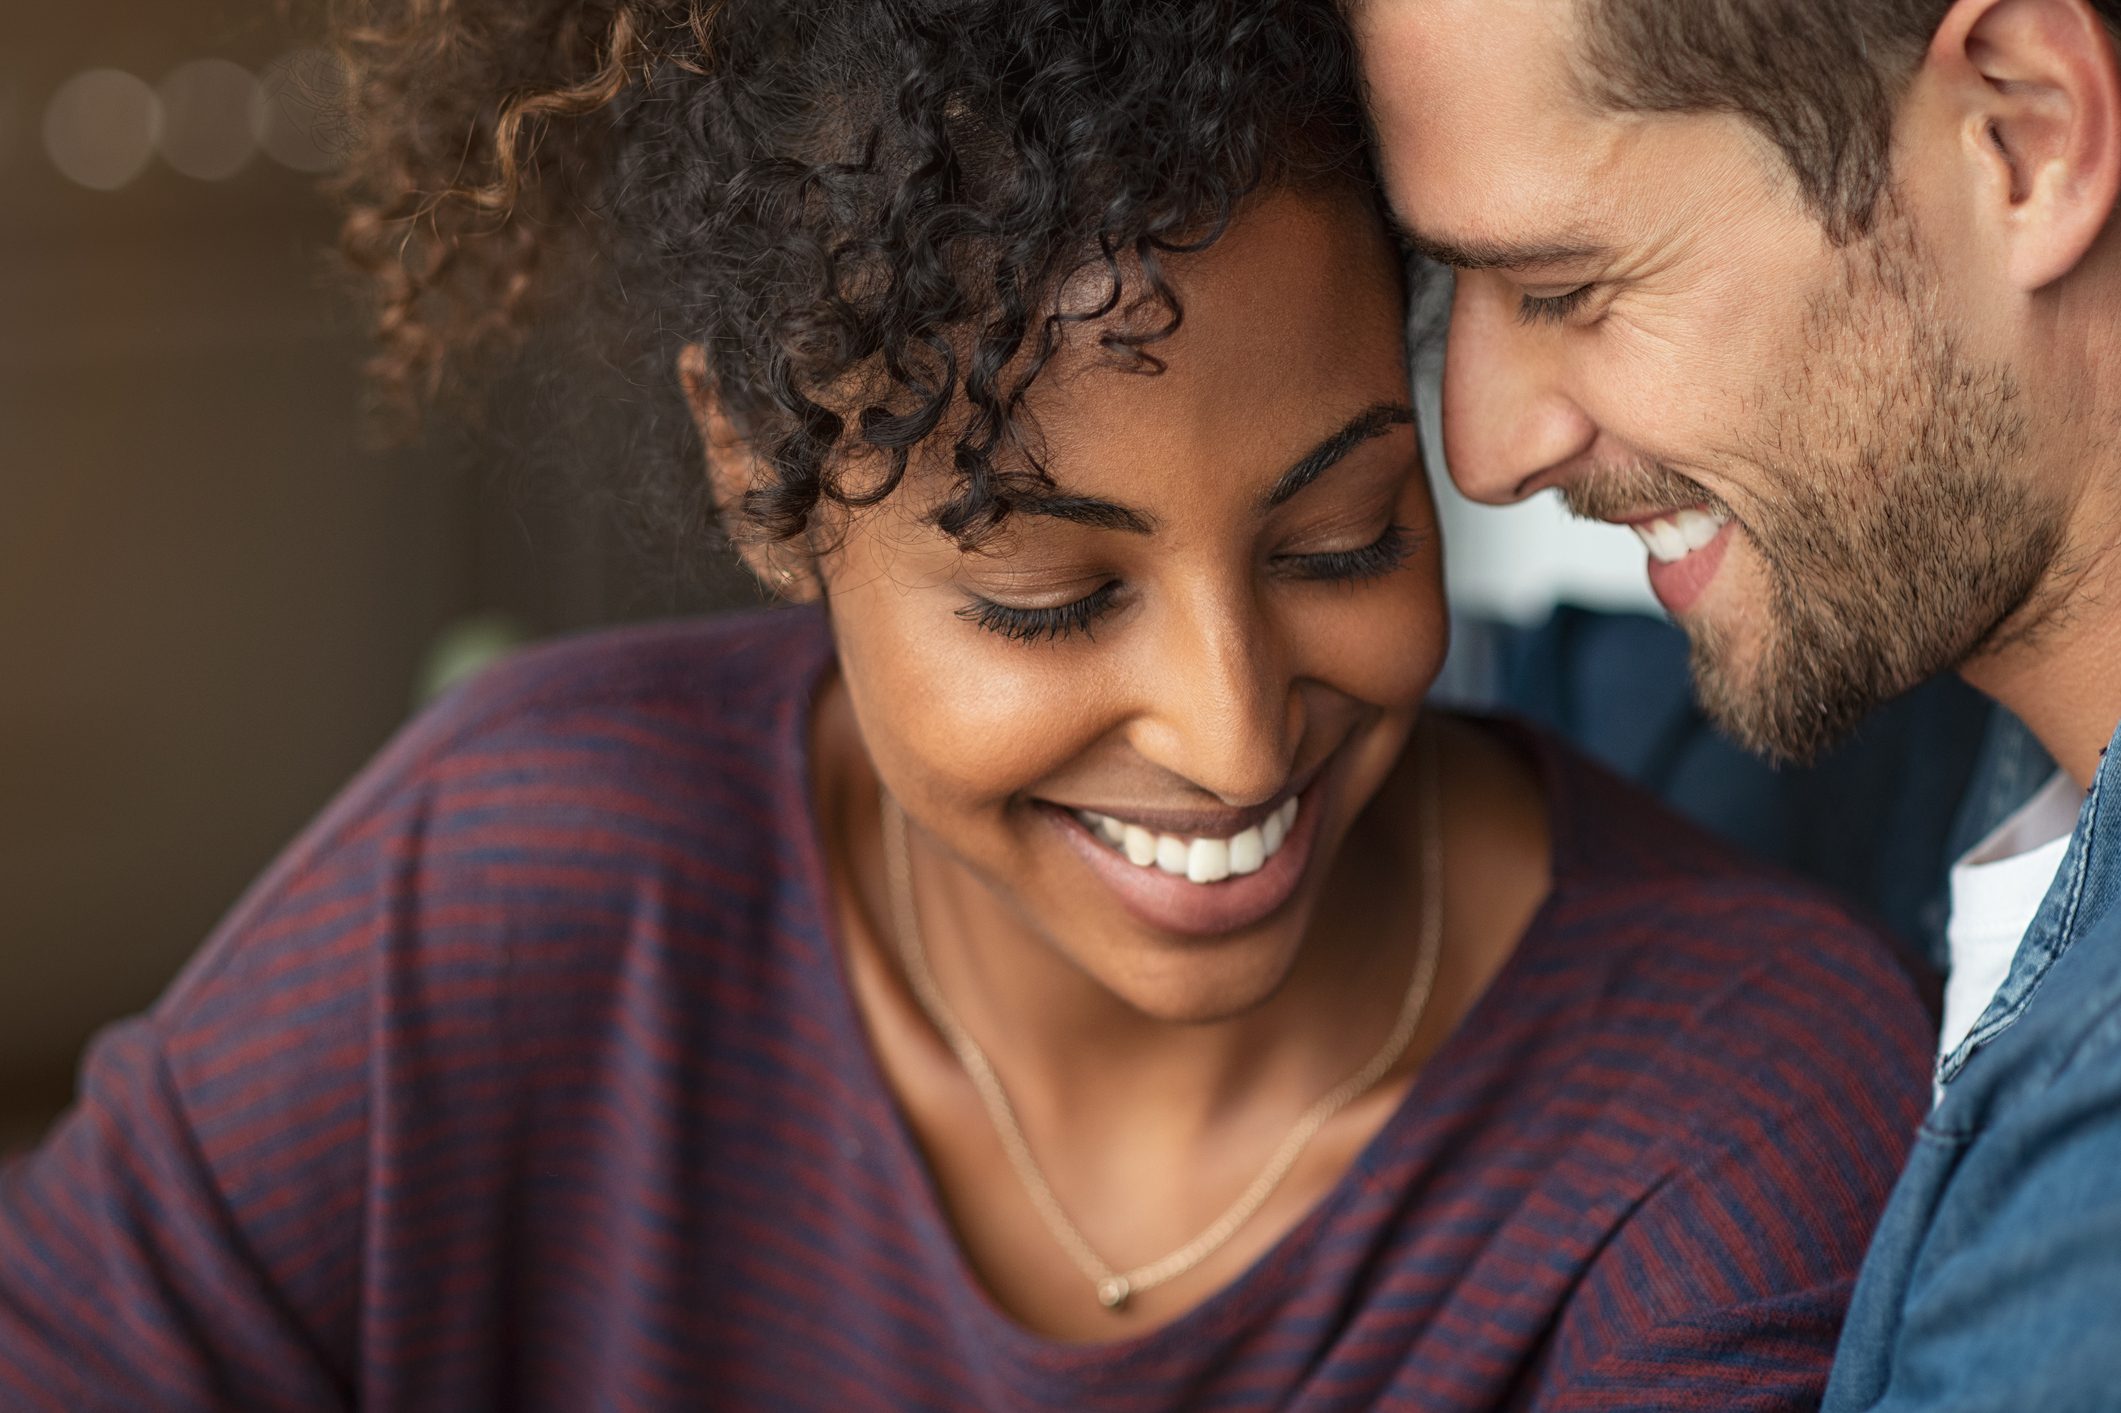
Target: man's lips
[[1687, 549]]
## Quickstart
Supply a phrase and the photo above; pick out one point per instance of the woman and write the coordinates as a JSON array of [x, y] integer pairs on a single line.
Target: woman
[[1061, 967]]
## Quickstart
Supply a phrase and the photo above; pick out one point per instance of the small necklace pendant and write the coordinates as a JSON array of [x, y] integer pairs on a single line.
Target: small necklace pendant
[[1112, 1293]]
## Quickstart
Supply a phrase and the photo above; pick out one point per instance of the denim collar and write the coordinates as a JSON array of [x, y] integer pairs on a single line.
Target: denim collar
[[2086, 888]]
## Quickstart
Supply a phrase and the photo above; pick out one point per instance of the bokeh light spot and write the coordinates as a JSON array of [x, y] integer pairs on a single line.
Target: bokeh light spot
[[100, 128], [206, 118], [300, 112]]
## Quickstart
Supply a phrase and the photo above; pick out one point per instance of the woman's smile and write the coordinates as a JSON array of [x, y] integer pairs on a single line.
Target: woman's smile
[[1196, 871]]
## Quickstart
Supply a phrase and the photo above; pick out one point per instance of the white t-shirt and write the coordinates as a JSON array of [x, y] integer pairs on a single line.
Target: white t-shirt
[[1996, 889]]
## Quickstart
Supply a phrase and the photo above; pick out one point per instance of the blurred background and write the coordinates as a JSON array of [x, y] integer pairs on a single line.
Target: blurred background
[[217, 596]]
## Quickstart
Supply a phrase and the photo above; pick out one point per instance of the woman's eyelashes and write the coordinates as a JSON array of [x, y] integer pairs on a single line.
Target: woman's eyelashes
[[1384, 555], [1030, 625]]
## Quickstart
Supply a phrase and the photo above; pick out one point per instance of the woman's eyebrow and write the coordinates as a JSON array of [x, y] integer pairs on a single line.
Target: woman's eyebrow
[[1370, 423], [1084, 510], [1367, 425]]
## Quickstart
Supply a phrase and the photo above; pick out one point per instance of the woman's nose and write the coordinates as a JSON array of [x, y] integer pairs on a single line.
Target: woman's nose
[[1219, 707]]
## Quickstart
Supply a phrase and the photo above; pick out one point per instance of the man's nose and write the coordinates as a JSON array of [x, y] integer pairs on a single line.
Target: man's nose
[[1219, 707], [1510, 430]]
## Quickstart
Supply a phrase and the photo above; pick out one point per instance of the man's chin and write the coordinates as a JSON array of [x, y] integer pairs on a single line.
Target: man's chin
[[1778, 699]]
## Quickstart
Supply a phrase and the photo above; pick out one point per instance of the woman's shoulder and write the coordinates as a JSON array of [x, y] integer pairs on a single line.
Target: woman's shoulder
[[537, 805], [1621, 852], [1724, 1063], [1694, 948], [732, 671], [565, 903], [695, 702]]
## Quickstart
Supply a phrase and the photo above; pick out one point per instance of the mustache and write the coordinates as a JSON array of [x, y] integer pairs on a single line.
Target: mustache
[[1641, 487]]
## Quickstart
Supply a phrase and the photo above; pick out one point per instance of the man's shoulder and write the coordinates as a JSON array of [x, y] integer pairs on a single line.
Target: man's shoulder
[[2092, 1001], [2066, 1041], [1999, 1261]]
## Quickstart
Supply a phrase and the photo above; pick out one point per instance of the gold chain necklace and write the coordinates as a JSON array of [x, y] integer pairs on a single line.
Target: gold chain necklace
[[1115, 1287]]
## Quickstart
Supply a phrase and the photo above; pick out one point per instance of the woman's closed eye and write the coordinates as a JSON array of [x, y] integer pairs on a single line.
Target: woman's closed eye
[[1384, 555], [1030, 625]]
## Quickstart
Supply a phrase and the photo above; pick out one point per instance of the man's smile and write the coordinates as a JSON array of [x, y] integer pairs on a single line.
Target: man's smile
[[1686, 548]]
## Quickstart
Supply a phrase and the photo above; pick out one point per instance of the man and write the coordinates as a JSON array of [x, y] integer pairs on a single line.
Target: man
[[1823, 297]]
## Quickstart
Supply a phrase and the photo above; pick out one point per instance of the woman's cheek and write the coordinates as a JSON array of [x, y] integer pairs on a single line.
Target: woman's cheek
[[1013, 714], [961, 719], [1382, 646]]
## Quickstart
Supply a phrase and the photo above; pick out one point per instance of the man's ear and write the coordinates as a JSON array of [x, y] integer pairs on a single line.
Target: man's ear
[[2039, 108], [732, 470]]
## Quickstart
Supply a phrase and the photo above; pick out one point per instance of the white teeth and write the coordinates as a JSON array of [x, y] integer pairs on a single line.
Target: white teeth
[[1208, 860], [1140, 845], [1697, 527], [1200, 860], [1664, 540], [1673, 537]]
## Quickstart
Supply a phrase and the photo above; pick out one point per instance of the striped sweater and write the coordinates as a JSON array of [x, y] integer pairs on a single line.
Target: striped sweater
[[529, 1079]]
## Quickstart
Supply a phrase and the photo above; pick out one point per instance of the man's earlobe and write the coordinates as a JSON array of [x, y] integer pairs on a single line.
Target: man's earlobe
[[2043, 120], [732, 470]]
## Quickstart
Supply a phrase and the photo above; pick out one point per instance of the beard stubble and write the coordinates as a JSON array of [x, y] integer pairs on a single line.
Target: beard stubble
[[1885, 502]]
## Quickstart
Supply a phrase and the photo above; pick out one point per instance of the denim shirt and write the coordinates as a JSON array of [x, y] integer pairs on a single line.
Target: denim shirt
[[1994, 1281]]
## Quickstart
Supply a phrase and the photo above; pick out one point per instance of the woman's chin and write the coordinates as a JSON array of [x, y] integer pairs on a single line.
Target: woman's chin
[[1193, 986]]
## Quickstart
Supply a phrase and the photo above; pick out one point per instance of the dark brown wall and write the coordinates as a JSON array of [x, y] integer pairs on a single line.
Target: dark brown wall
[[213, 598]]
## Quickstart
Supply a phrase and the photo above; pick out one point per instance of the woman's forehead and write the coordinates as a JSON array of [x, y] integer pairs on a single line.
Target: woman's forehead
[[1293, 333], [1296, 311]]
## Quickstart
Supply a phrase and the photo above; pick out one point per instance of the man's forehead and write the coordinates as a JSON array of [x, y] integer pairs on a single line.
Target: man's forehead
[[1491, 152], [1515, 60]]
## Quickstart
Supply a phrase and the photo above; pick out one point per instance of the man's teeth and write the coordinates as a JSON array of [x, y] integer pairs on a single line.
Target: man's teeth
[[1200, 860], [1673, 537]]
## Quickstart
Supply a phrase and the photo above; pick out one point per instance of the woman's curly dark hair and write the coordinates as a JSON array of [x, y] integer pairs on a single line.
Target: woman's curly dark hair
[[864, 211]]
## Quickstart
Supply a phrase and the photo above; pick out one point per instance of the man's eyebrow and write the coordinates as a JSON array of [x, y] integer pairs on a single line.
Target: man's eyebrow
[[1083, 510], [1495, 254], [1367, 425]]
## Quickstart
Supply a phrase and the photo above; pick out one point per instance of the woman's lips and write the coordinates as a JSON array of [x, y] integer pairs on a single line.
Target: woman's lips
[[1168, 902]]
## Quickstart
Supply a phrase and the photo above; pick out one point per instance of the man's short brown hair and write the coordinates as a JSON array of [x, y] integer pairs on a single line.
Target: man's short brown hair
[[1821, 78]]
